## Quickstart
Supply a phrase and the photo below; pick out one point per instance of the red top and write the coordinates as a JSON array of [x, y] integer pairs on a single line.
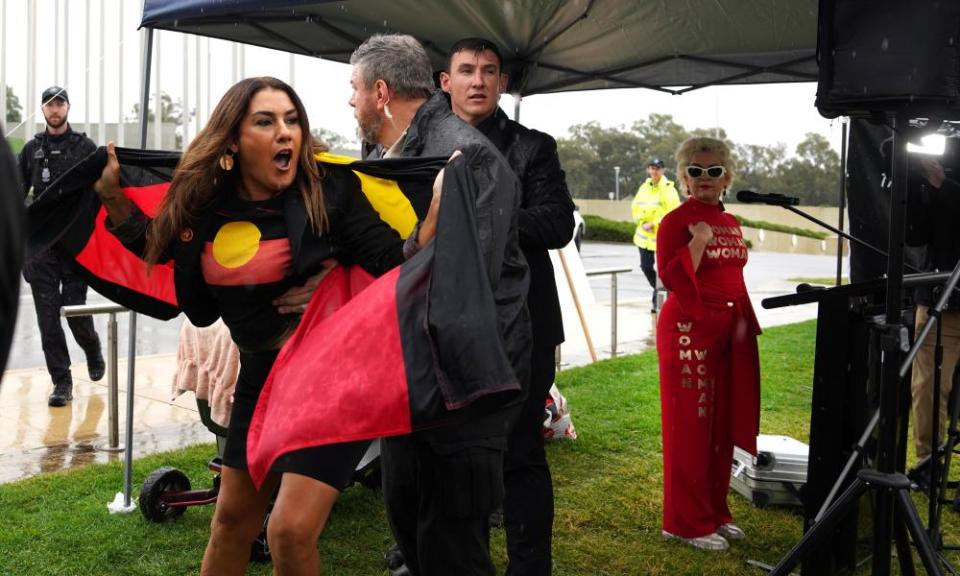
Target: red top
[[719, 278]]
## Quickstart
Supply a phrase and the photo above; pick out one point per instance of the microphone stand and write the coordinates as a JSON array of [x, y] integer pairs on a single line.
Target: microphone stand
[[836, 231], [894, 512]]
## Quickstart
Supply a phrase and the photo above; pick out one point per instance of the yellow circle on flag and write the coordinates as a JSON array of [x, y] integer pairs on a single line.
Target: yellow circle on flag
[[235, 244]]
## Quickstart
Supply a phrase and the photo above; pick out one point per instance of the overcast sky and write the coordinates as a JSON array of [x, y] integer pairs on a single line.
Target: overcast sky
[[764, 114]]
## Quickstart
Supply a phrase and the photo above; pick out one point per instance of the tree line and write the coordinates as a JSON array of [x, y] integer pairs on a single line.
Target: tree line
[[590, 152]]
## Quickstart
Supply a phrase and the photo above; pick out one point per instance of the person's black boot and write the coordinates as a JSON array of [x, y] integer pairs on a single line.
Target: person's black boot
[[62, 393], [95, 365], [395, 561]]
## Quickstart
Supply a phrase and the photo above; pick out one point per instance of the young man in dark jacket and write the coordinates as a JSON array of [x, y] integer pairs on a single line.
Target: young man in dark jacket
[[474, 81], [441, 485]]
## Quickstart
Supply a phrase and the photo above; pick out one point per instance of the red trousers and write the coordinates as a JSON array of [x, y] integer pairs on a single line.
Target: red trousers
[[698, 371]]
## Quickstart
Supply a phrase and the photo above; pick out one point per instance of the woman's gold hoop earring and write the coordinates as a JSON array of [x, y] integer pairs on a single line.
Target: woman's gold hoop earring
[[226, 160]]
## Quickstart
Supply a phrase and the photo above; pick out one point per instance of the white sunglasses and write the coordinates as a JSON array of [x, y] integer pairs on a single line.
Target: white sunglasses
[[715, 171]]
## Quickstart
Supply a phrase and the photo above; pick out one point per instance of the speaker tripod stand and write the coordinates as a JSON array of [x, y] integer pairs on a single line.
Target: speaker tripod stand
[[894, 512]]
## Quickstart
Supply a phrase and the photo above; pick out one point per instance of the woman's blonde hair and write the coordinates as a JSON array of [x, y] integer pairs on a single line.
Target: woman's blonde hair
[[198, 180], [703, 144]]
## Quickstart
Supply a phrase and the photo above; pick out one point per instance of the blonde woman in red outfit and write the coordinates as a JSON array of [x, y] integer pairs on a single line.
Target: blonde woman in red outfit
[[707, 348]]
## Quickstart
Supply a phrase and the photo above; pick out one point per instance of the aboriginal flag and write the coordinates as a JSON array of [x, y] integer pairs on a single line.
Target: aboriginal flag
[[418, 348], [68, 217]]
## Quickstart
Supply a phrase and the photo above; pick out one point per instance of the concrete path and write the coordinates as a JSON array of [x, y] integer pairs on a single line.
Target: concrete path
[[35, 438], [767, 274]]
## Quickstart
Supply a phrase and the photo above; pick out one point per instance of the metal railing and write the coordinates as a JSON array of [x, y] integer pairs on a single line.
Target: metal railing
[[113, 420], [123, 501], [612, 272]]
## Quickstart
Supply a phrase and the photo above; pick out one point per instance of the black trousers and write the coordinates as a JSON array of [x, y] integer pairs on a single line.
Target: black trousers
[[648, 260], [54, 284], [439, 504], [528, 502]]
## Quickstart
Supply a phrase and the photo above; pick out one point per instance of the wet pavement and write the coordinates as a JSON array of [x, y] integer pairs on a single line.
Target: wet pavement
[[766, 275], [153, 336], [35, 438]]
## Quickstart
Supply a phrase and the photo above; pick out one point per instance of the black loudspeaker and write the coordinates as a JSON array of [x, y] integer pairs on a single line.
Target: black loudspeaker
[[878, 56]]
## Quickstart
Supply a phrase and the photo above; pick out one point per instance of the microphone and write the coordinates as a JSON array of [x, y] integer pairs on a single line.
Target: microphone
[[750, 197], [804, 287]]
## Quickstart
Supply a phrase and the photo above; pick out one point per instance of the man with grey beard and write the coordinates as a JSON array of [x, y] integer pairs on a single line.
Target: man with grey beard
[[440, 485]]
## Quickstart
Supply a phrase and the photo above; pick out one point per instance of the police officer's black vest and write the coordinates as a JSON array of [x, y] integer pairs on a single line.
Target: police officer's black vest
[[51, 156]]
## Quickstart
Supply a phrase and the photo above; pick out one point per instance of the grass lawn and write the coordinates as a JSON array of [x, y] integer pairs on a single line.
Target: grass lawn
[[608, 492], [821, 280]]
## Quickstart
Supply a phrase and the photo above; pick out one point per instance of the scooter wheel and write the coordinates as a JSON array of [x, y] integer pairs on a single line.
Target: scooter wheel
[[159, 482]]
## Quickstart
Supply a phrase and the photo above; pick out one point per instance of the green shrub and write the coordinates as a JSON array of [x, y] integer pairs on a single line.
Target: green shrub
[[763, 225], [600, 229]]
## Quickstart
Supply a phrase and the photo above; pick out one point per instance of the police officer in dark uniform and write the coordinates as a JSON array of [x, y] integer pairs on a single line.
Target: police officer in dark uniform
[[43, 159]]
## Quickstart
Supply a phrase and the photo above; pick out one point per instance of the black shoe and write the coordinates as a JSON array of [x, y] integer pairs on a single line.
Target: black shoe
[[62, 393], [96, 367], [395, 562], [920, 479]]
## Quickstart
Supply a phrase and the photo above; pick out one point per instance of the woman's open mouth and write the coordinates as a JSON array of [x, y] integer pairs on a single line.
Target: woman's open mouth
[[282, 159]]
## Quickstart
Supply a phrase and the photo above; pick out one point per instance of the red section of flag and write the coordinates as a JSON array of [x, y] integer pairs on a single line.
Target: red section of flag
[[106, 257], [271, 263], [354, 390]]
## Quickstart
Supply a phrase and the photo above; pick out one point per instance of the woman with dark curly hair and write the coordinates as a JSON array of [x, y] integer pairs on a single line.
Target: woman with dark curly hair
[[248, 219]]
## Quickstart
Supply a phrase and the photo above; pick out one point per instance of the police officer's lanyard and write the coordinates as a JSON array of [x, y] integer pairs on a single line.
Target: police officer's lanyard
[[43, 153]]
